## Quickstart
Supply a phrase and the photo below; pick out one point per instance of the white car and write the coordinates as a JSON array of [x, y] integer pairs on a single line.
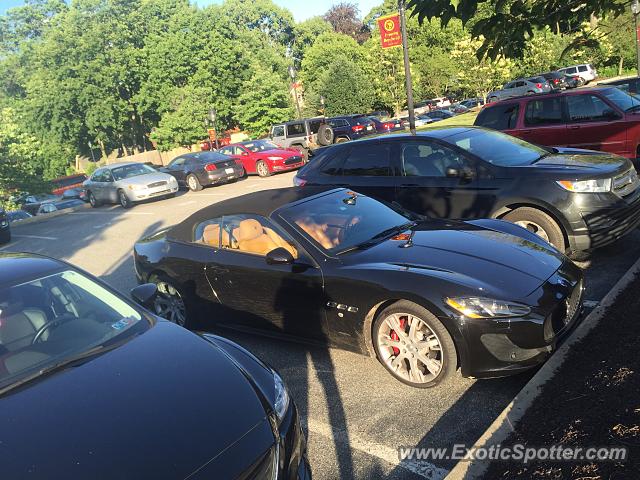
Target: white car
[[585, 71]]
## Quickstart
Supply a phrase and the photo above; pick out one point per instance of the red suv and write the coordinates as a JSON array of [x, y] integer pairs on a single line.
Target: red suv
[[598, 118]]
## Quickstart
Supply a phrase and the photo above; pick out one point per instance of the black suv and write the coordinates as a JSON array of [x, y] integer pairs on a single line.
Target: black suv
[[5, 231], [351, 127], [577, 200]]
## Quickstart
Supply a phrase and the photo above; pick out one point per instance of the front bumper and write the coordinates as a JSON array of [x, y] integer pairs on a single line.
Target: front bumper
[[601, 223], [223, 175], [293, 447], [286, 164], [501, 347], [146, 194]]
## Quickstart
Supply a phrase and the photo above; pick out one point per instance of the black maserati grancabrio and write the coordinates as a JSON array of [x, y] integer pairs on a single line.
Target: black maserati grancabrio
[[94, 387], [425, 296]]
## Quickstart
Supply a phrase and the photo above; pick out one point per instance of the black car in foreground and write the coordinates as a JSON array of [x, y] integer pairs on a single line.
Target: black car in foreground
[[425, 296], [200, 169], [576, 200], [94, 387], [5, 229]]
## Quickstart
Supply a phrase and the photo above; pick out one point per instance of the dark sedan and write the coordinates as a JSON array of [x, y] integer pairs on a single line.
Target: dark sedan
[[201, 169], [94, 387], [577, 200], [337, 267], [386, 126], [5, 229]]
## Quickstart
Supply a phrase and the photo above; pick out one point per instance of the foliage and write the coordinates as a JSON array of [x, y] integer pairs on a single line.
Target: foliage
[[305, 34], [344, 17]]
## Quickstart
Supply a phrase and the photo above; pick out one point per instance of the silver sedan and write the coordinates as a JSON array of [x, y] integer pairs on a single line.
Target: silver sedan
[[128, 183]]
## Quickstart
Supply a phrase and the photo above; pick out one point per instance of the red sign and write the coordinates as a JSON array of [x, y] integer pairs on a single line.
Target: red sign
[[389, 26]]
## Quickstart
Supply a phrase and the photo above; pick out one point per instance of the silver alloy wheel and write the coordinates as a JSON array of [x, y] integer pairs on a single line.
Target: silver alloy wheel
[[169, 304], [263, 170], [124, 201], [193, 185], [92, 199], [533, 227], [410, 348]]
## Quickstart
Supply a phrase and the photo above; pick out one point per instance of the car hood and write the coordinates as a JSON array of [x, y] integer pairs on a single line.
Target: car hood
[[583, 161], [278, 152], [146, 179], [166, 402], [471, 255]]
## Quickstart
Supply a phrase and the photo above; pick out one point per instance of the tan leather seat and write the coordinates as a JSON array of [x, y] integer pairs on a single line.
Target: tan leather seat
[[18, 328], [211, 236], [281, 242], [319, 232], [253, 239]]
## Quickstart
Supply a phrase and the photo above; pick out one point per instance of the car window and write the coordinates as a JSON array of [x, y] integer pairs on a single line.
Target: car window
[[520, 84], [508, 85], [582, 68], [429, 159], [314, 125], [371, 159], [571, 70], [96, 177], [226, 151], [621, 99], [499, 117], [209, 233], [338, 122], [497, 148], [131, 170], [295, 129], [587, 108], [252, 234], [545, 111], [278, 131], [177, 162], [82, 315]]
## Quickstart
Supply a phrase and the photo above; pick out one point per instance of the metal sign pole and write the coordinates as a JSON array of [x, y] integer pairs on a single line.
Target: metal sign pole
[[407, 68]]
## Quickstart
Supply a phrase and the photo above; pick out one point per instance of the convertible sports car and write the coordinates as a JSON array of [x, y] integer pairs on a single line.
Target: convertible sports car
[[425, 296]]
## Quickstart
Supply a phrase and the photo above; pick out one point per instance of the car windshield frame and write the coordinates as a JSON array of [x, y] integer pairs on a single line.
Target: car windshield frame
[[388, 221], [71, 283], [528, 152], [117, 176], [250, 146]]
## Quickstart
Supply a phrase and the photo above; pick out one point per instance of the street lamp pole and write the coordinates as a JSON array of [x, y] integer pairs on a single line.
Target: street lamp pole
[[292, 74], [635, 9], [407, 67]]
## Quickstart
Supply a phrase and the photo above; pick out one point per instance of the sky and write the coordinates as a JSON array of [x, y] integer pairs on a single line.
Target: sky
[[301, 9]]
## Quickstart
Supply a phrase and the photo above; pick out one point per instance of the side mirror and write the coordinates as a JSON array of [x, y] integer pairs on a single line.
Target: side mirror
[[245, 154], [279, 256], [144, 294], [609, 113]]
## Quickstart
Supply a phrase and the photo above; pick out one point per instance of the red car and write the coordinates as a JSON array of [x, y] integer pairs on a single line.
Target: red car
[[263, 157], [597, 118]]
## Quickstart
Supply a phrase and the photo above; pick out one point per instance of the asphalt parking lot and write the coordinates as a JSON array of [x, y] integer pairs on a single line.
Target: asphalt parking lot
[[356, 414]]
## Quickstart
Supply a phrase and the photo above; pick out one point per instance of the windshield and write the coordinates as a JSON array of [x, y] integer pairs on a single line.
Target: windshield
[[621, 99], [497, 148], [133, 170], [343, 220], [260, 146], [46, 321]]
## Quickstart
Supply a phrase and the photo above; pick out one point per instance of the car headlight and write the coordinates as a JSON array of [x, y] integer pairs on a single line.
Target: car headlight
[[274, 158], [281, 403], [479, 307], [587, 186], [135, 186]]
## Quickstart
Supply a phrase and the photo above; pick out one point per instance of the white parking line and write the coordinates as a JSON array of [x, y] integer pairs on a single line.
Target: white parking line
[[37, 237], [210, 194], [387, 454]]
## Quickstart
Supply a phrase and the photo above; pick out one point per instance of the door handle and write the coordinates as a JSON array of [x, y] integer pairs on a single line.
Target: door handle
[[574, 127]]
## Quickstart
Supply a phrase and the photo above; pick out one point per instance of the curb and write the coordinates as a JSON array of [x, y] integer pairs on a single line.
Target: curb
[[42, 218], [505, 423]]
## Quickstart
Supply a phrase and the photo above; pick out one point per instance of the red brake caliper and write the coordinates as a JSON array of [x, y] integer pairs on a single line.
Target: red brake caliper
[[394, 335]]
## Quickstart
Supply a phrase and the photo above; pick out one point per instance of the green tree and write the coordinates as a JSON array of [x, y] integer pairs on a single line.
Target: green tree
[[305, 34], [345, 87], [265, 100]]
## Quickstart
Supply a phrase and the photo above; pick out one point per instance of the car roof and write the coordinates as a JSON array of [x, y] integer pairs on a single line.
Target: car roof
[[262, 203], [594, 88], [18, 267], [111, 166]]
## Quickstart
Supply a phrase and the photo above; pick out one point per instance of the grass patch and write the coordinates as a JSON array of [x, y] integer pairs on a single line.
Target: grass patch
[[462, 119]]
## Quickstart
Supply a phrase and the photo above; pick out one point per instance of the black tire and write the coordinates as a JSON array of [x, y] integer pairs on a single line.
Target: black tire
[[124, 200], [93, 200], [193, 183], [191, 320], [325, 135], [447, 355], [262, 169], [5, 237], [539, 223]]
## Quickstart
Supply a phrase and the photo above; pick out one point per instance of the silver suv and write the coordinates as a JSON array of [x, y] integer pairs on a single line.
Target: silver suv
[[305, 135], [521, 86], [585, 71]]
